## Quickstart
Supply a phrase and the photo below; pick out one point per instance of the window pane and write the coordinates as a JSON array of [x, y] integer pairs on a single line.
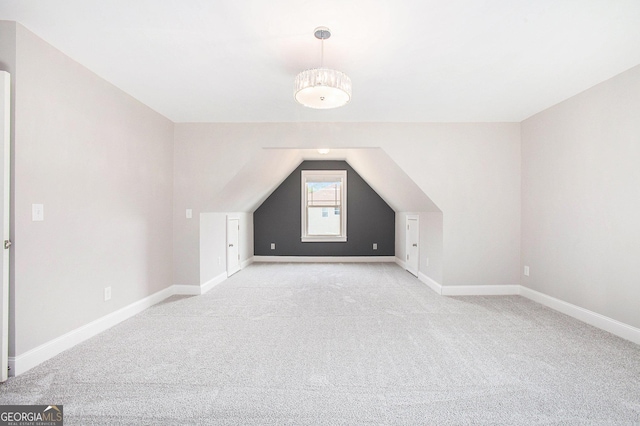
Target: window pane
[[323, 194], [318, 224]]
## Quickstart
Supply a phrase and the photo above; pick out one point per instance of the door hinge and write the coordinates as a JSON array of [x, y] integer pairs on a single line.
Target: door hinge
[[7, 244]]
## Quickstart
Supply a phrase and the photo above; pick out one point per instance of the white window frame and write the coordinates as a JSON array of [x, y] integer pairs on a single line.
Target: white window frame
[[319, 176]]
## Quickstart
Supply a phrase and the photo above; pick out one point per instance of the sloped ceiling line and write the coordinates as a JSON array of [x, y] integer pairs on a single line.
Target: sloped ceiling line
[[268, 168]]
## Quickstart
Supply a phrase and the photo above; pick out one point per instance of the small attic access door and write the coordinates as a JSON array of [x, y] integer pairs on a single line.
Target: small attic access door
[[412, 250], [233, 249]]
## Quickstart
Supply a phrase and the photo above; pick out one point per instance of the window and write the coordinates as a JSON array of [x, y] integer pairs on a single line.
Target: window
[[324, 205]]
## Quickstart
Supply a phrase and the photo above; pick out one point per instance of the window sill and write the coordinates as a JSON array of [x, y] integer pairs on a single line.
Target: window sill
[[323, 239]]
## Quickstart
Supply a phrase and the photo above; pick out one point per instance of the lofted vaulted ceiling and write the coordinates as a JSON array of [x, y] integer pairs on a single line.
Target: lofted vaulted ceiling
[[410, 60]]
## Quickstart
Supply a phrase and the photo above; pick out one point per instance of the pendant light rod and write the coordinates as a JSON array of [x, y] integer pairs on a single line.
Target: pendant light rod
[[322, 34]]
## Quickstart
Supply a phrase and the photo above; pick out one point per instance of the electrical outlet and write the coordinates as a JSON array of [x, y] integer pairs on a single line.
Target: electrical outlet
[[189, 213], [526, 271], [273, 246], [375, 246], [107, 293]]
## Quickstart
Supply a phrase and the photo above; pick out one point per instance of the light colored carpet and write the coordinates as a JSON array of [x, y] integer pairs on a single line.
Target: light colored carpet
[[340, 344]]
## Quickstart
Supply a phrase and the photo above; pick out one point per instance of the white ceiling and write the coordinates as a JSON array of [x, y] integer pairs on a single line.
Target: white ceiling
[[410, 60]]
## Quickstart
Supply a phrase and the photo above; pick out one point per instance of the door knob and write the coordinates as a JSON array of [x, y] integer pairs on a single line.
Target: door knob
[[7, 244], [415, 245], [230, 245]]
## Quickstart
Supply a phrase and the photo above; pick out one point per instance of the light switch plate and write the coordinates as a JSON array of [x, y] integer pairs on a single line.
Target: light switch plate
[[526, 271], [37, 212]]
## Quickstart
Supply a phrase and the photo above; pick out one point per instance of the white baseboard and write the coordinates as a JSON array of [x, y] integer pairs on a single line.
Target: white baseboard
[[401, 263], [196, 290], [212, 283], [480, 290], [433, 285], [246, 262], [38, 355], [469, 290], [324, 259], [186, 290], [602, 322]]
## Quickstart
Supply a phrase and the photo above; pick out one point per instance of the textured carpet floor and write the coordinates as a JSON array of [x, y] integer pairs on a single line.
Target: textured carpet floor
[[340, 344]]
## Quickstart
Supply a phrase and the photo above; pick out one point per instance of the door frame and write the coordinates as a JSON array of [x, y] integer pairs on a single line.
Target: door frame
[[408, 244], [5, 142]]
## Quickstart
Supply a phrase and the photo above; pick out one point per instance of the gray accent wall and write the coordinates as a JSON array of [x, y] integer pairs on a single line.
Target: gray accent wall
[[369, 219]]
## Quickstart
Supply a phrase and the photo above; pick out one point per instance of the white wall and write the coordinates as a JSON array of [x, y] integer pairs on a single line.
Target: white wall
[[430, 242], [101, 163], [470, 171], [213, 242], [431, 253], [581, 199], [204, 167], [204, 163]]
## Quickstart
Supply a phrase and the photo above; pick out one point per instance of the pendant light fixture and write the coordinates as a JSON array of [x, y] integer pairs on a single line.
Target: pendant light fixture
[[322, 88]]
